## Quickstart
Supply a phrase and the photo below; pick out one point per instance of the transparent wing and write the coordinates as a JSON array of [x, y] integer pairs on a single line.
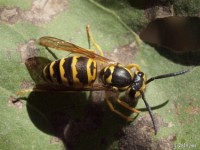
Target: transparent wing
[[59, 44], [62, 88]]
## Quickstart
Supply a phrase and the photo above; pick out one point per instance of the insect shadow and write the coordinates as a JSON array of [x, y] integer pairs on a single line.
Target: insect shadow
[[73, 117]]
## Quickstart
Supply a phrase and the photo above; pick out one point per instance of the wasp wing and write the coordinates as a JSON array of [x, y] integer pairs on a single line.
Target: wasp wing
[[59, 44], [63, 88]]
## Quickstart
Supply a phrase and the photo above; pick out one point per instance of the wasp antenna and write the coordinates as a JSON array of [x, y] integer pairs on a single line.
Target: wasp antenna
[[150, 112], [168, 75]]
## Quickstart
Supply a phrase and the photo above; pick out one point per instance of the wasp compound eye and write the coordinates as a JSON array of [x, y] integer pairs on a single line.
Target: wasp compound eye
[[141, 74]]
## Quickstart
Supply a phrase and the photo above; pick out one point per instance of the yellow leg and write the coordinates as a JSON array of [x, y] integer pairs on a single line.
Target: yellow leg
[[117, 112], [22, 92], [91, 39], [125, 105], [133, 66]]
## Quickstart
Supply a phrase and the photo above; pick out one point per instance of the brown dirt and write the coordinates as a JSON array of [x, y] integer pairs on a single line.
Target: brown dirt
[[12, 101], [39, 13], [159, 12], [27, 50], [120, 54], [139, 135]]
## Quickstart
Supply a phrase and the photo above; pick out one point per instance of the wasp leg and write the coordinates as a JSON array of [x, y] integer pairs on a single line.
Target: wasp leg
[[34, 89], [125, 105], [133, 66], [117, 112], [91, 39], [22, 92]]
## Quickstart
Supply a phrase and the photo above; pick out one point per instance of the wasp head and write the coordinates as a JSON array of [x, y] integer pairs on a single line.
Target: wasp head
[[138, 85]]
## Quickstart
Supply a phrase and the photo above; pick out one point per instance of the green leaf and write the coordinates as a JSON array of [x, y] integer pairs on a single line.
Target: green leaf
[[82, 120]]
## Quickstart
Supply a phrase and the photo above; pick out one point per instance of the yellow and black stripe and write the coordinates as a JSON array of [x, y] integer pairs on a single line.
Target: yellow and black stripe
[[75, 71]]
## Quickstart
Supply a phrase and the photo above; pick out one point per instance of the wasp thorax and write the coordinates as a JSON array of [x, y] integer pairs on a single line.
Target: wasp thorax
[[117, 76]]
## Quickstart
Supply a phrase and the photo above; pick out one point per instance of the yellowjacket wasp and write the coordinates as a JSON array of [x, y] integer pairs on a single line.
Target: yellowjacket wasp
[[79, 73]]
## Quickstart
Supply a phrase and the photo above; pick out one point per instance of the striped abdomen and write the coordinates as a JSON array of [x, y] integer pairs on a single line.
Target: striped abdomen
[[75, 71]]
